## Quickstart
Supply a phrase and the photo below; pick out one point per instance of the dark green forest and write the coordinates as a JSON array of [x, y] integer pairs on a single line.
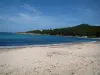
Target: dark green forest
[[79, 30]]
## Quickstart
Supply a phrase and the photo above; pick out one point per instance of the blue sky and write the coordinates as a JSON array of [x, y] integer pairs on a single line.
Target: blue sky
[[24, 15]]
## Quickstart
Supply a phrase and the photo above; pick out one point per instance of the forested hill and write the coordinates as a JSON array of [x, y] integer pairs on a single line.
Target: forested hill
[[79, 30]]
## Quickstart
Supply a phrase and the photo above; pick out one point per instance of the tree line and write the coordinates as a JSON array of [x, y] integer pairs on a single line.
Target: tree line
[[79, 30]]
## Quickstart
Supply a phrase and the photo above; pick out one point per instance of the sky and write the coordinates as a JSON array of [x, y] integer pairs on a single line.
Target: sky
[[25, 15]]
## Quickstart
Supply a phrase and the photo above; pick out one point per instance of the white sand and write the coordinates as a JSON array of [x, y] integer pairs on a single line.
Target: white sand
[[76, 59]]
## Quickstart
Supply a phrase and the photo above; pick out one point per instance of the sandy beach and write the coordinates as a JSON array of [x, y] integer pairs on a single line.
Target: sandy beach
[[63, 59]]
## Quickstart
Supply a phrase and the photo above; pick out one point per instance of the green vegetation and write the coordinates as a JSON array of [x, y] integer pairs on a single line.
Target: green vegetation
[[79, 30]]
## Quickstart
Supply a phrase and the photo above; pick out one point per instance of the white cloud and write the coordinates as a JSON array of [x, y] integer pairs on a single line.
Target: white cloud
[[30, 8], [28, 18], [87, 10], [40, 21], [34, 17]]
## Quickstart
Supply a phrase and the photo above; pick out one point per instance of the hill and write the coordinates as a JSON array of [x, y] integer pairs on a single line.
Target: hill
[[79, 30]]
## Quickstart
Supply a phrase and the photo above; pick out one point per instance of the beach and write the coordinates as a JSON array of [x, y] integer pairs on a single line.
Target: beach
[[62, 59]]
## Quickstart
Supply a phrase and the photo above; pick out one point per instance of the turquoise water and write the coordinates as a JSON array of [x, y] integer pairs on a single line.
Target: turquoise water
[[12, 39]]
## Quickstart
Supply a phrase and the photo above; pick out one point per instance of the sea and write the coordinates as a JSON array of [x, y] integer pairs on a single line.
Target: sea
[[13, 39]]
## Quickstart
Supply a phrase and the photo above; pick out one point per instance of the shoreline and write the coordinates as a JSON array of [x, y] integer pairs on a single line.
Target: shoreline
[[44, 45], [57, 35]]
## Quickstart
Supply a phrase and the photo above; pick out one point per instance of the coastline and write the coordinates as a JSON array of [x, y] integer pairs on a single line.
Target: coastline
[[57, 35], [44, 45]]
